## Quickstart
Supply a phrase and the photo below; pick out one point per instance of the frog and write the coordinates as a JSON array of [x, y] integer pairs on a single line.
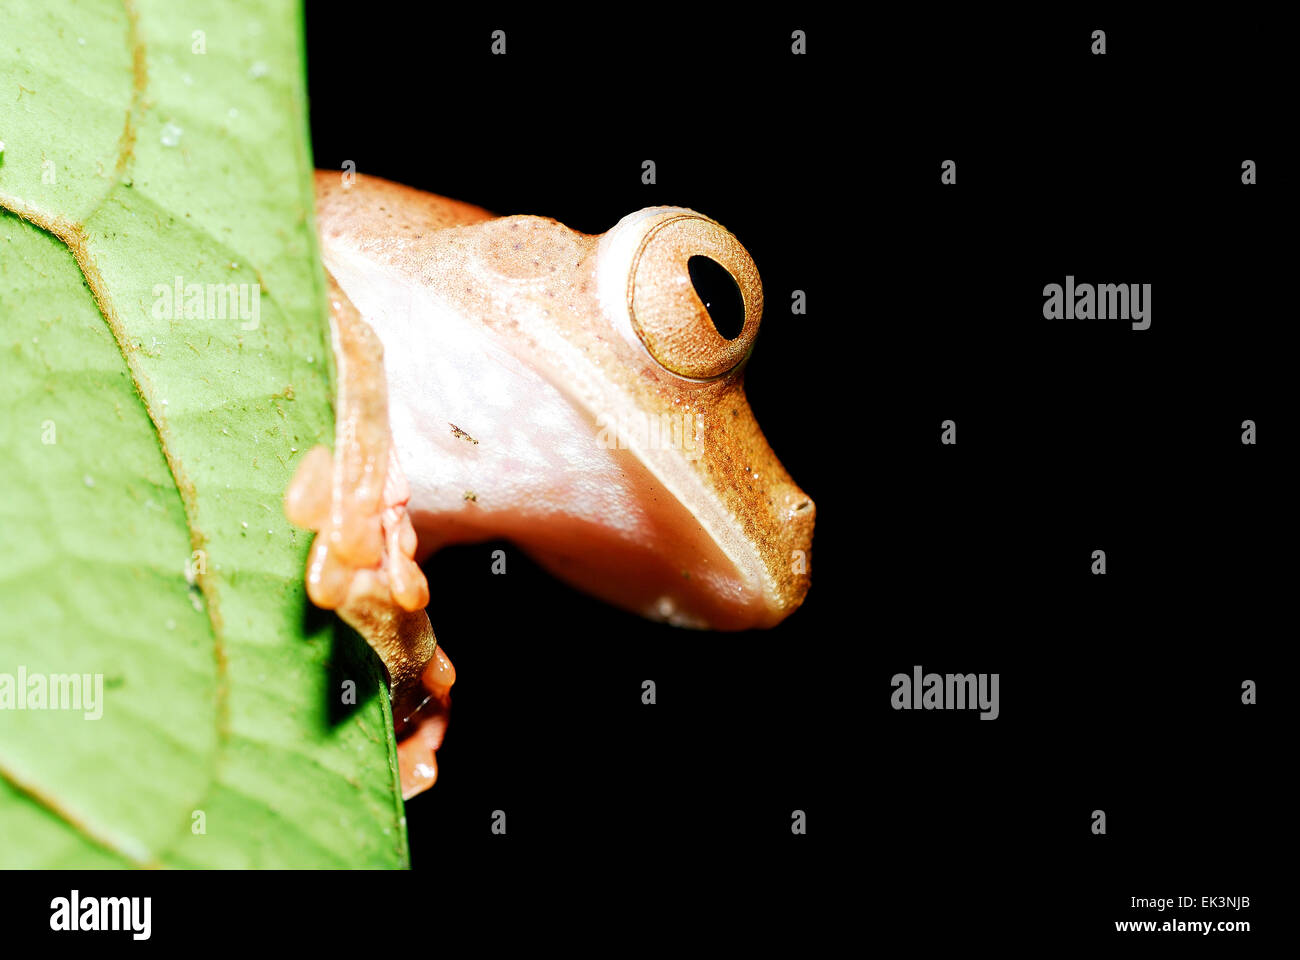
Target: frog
[[510, 378]]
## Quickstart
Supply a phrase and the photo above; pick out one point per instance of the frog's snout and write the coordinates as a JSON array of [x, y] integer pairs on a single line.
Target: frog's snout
[[796, 535], [778, 517]]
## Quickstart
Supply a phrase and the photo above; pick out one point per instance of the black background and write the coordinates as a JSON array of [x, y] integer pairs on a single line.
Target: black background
[[925, 303]]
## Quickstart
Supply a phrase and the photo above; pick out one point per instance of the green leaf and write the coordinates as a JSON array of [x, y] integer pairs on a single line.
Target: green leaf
[[146, 451]]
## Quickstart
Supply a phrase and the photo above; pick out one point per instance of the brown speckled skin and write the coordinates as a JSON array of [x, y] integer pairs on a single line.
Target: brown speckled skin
[[389, 208], [509, 271]]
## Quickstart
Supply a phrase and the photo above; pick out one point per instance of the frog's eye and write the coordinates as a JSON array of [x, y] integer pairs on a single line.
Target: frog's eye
[[694, 297]]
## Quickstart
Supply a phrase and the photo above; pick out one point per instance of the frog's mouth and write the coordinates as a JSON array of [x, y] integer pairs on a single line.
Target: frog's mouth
[[676, 565], [712, 542]]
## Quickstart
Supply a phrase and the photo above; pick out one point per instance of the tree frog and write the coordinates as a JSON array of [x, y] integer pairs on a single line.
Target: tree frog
[[508, 377]]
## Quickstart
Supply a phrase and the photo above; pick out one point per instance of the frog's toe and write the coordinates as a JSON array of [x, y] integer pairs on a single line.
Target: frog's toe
[[406, 580], [356, 531], [417, 751], [307, 501], [417, 760]]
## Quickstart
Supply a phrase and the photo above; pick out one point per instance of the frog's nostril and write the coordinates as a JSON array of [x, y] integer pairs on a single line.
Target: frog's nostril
[[717, 290]]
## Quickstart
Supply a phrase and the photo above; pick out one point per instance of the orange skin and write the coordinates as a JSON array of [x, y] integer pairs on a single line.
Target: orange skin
[[483, 360]]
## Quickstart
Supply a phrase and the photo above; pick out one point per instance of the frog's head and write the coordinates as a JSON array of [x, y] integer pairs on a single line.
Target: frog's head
[[600, 416], [740, 530]]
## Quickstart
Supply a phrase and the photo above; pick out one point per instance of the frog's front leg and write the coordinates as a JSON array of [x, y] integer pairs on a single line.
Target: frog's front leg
[[362, 561]]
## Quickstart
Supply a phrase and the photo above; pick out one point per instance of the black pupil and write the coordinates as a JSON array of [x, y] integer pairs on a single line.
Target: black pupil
[[718, 292]]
